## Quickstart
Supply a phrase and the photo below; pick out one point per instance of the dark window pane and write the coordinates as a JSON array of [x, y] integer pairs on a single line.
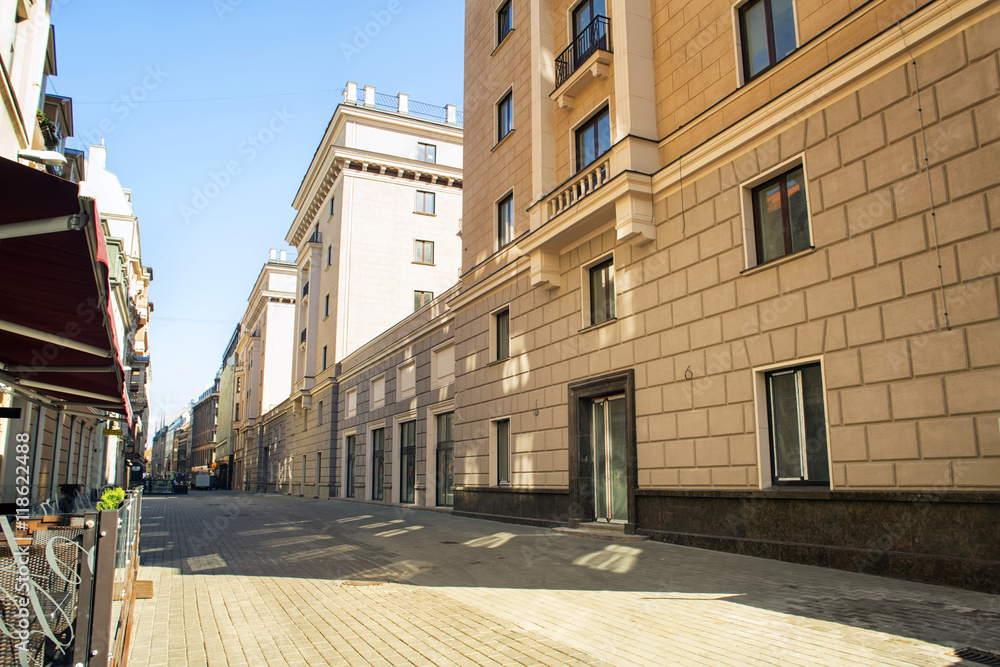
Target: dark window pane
[[771, 222], [503, 451], [503, 334], [603, 133], [818, 465], [602, 292], [785, 426], [798, 214]]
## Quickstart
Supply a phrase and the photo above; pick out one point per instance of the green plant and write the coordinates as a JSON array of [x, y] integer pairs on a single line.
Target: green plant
[[111, 498]]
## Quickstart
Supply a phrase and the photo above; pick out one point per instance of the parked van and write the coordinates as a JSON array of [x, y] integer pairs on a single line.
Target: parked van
[[203, 481]]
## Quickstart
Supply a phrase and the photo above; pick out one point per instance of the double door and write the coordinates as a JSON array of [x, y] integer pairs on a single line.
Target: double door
[[610, 458]]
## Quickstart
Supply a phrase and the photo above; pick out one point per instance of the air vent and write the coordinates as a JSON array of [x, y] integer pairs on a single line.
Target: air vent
[[977, 655]]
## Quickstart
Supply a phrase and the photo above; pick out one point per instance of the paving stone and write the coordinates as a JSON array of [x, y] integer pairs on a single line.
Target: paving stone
[[245, 579]]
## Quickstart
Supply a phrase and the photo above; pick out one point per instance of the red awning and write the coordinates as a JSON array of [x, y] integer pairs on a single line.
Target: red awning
[[57, 336]]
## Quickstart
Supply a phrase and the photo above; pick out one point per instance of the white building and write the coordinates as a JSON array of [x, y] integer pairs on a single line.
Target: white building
[[263, 371], [378, 217]]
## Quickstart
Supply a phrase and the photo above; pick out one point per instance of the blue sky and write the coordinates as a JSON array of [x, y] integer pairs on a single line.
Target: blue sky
[[182, 90]]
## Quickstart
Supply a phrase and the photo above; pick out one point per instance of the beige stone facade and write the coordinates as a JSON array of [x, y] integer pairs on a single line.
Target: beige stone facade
[[910, 384]]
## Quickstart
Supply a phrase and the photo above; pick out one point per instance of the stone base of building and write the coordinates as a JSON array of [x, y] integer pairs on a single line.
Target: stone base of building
[[938, 538], [531, 507]]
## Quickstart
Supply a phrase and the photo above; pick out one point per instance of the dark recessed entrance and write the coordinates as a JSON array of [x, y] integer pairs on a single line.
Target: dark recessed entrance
[[602, 469]]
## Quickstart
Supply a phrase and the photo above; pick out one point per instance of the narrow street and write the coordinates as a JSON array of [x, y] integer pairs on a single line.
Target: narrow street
[[244, 579]]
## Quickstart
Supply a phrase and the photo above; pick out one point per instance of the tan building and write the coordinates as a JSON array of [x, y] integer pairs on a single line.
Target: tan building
[[730, 277]]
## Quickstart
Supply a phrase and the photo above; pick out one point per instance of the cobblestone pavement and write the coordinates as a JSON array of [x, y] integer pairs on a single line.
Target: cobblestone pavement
[[244, 579]]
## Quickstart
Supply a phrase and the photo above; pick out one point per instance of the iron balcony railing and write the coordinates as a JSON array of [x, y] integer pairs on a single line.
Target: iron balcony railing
[[317, 237], [596, 36]]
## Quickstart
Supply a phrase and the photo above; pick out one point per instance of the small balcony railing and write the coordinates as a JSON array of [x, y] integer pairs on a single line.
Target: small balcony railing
[[580, 186], [317, 237], [595, 37]]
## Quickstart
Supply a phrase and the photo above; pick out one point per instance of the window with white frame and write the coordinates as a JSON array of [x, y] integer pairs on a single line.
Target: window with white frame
[[776, 210], [505, 220], [796, 421], [352, 402], [501, 334], [406, 379], [425, 202], [505, 116], [378, 392], [443, 366], [602, 291], [501, 429], [505, 21], [767, 34]]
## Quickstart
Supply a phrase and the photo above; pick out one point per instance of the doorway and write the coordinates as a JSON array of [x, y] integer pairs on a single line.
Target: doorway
[[602, 456]]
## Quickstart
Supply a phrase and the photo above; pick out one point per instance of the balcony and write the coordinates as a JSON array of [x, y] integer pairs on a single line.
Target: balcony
[[317, 237], [587, 57], [582, 185]]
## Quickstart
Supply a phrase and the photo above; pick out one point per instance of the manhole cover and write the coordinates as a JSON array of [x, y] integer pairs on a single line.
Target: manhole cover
[[977, 655]]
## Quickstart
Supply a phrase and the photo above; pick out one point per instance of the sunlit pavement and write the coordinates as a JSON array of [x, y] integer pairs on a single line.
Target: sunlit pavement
[[244, 579]]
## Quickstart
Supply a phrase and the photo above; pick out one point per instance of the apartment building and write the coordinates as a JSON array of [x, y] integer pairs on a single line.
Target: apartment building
[[263, 360], [377, 224], [730, 277], [204, 425], [73, 350]]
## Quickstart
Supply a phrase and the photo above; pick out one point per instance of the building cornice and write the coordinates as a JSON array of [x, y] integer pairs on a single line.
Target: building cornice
[[341, 159]]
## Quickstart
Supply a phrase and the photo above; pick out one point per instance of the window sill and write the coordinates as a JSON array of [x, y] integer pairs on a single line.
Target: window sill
[[502, 42], [423, 263], [422, 213], [497, 362], [598, 325], [502, 140], [778, 261]]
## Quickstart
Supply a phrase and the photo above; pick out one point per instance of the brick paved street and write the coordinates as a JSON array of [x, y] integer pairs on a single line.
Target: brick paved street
[[243, 579]]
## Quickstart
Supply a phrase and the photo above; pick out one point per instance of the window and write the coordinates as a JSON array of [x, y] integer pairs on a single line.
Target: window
[[586, 12], [505, 116], [421, 299], [767, 30], [238, 378], [378, 463], [602, 292], [503, 451], [324, 357], [319, 414], [593, 139], [590, 30], [326, 306], [501, 326], [349, 442], [797, 426], [423, 252], [329, 254], [445, 487], [427, 153], [378, 392], [407, 460], [352, 402], [443, 366], [425, 202], [505, 221], [505, 21], [406, 380], [333, 209], [780, 216], [236, 413]]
